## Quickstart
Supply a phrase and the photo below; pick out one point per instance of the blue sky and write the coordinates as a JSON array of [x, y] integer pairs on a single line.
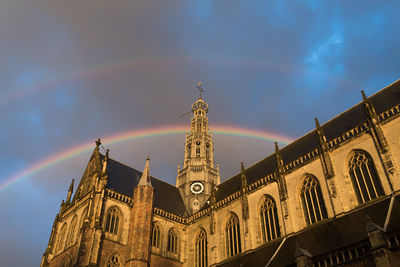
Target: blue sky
[[73, 71]]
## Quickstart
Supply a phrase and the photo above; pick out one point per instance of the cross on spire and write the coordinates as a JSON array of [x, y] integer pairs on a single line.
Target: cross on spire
[[199, 84]]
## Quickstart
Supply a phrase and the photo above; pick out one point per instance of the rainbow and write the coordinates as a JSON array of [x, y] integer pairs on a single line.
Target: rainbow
[[130, 64], [134, 135]]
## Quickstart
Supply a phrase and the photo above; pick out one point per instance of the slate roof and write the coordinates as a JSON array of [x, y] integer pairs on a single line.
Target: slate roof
[[123, 179], [340, 231], [167, 197], [382, 101]]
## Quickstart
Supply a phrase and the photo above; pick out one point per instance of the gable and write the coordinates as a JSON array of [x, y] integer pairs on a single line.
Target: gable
[[92, 172]]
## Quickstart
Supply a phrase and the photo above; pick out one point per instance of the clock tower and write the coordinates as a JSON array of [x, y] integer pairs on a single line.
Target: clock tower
[[198, 175]]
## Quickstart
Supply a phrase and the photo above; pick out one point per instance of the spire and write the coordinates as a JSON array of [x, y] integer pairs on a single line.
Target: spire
[[70, 191], [145, 180]]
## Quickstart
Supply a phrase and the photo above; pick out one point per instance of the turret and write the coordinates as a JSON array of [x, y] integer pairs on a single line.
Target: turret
[[140, 221]]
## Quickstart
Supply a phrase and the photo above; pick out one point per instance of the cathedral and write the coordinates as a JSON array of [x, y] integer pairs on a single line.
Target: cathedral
[[330, 198]]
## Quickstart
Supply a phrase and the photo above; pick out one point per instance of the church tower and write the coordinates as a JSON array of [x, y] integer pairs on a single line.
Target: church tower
[[198, 175]]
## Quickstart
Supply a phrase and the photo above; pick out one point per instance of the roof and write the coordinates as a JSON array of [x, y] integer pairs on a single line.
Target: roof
[[123, 179], [340, 231], [382, 101]]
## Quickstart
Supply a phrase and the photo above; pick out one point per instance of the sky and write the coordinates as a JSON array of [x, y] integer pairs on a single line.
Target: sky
[[73, 71]]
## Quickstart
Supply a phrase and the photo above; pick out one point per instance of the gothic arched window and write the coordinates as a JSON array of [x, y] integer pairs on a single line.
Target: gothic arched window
[[156, 236], [71, 232], [312, 200], [67, 261], [201, 257], [172, 245], [61, 237], [114, 261], [233, 242], [112, 221], [269, 220], [364, 177]]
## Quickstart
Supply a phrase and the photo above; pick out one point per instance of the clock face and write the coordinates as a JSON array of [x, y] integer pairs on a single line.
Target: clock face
[[197, 188]]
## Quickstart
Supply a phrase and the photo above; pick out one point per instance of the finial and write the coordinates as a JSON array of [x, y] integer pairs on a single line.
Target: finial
[[71, 187], [276, 147], [365, 98], [70, 191], [317, 123], [145, 179], [98, 142], [200, 88], [243, 177], [241, 167]]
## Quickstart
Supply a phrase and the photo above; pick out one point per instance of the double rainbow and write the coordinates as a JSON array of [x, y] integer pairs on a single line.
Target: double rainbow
[[134, 135]]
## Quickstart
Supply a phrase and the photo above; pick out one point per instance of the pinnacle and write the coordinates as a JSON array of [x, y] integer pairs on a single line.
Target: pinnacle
[[145, 179]]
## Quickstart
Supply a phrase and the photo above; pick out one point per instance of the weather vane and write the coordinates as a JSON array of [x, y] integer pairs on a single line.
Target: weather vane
[[199, 84]]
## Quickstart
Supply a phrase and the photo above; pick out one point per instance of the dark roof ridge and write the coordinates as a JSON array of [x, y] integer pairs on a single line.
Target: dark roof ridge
[[330, 135], [139, 171], [358, 103]]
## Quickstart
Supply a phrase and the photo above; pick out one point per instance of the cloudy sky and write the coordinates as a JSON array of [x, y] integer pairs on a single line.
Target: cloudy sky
[[73, 71]]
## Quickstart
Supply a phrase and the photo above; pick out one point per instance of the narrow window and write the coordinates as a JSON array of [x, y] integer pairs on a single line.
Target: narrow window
[[155, 239], [233, 242], [312, 201], [71, 233], [172, 245], [61, 238], [189, 150], [114, 261], [269, 220], [201, 257], [364, 177], [112, 221]]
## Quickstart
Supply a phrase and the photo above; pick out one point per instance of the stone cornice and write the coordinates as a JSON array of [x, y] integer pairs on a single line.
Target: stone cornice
[[120, 197]]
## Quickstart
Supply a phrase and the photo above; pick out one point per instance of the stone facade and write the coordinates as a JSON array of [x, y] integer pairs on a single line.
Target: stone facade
[[332, 197]]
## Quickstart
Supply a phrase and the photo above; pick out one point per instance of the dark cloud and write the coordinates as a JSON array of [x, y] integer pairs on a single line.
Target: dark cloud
[[72, 71]]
